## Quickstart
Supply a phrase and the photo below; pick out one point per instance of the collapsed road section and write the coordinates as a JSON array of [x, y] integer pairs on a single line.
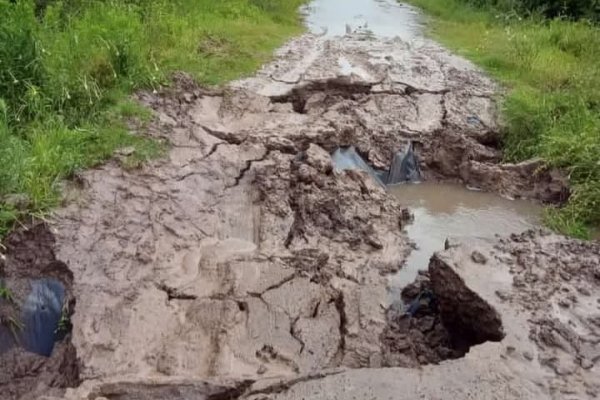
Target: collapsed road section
[[245, 266]]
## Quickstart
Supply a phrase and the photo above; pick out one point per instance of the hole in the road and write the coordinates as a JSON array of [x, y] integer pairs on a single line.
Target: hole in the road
[[429, 326], [443, 210], [423, 319], [423, 326]]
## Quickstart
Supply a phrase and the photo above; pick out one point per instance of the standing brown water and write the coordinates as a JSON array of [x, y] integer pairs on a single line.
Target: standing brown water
[[382, 18], [452, 211]]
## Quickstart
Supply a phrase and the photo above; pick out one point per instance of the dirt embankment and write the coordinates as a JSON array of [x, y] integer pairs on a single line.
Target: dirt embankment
[[244, 265]]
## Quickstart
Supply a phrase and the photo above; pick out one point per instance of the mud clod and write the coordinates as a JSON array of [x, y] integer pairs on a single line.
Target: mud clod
[[478, 257], [467, 316]]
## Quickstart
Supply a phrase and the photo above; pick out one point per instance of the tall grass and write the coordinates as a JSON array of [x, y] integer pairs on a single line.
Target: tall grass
[[68, 67], [567, 9], [552, 109]]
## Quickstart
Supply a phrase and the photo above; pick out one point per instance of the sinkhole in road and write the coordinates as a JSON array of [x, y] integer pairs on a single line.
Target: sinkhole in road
[[447, 210]]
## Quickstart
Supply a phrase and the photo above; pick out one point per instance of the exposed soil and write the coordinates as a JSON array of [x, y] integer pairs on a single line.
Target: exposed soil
[[244, 266]]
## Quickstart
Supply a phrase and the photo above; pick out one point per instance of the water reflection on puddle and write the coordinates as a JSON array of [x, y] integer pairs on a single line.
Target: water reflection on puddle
[[448, 210], [383, 18]]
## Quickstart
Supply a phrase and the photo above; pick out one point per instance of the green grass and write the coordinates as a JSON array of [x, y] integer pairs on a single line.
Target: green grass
[[552, 108], [67, 69], [5, 293]]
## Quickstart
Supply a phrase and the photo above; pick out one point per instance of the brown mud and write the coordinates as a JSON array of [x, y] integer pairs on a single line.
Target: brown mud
[[244, 266]]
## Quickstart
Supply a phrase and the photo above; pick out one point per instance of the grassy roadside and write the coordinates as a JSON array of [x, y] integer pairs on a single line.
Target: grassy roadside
[[552, 109], [68, 67]]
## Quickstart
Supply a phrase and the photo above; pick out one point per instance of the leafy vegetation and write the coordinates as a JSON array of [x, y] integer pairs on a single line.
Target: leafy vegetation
[[6, 294], [552, 109], [68, 67], [566, 9]]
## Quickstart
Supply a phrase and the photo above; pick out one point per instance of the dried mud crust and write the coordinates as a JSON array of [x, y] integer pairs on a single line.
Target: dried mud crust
[[243, 255], [29, 255]]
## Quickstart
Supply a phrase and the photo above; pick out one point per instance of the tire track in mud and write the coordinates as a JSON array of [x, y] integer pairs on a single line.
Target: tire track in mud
[[244, 256]]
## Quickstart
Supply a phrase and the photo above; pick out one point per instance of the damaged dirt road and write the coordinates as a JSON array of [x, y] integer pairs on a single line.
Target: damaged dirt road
[[245, 266]]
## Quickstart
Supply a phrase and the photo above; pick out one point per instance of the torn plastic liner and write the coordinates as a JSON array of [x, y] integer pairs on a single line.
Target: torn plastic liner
[[404, 167]]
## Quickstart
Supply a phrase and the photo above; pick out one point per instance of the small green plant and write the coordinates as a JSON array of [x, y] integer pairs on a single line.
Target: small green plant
[[6, 294], [64, 323]]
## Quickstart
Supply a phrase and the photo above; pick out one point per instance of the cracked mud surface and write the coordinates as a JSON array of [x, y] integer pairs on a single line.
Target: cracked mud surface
[[244, 266]]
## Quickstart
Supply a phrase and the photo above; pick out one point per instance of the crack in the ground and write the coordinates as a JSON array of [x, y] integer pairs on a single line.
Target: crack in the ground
[[340, 306], [335, 87], [297, 227], [410, 90], [259, 296], [213, 149], [228, 137], [444, 119], [294, 334], [281, 283], [284, 386], [186, 176], [247, 168], [316, 310], [234, 392], [174, 293], [284, 81]]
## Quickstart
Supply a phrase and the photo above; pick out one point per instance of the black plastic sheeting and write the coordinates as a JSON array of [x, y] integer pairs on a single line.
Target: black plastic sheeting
[[404, 167], [41, 316]]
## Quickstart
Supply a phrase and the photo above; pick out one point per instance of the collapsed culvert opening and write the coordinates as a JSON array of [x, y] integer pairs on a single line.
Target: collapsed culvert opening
[[439, 318], [36, 305]]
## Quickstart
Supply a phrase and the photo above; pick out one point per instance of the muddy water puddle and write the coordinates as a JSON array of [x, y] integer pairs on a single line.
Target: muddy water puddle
[[444, 211], [383, 18]]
